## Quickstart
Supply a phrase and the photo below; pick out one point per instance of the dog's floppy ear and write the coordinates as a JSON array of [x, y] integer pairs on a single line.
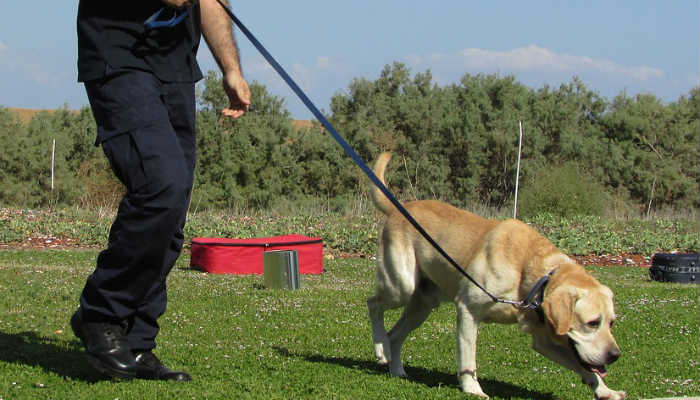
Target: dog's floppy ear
[[558, 308]]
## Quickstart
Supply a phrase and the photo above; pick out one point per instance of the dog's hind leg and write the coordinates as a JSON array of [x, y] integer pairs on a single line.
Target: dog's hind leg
[[386, 298], [379, 336], [395, 283], [414, 314]]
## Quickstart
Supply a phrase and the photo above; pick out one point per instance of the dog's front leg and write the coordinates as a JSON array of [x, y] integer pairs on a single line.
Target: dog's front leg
[[467, 329], [566, 358], [602, 391]]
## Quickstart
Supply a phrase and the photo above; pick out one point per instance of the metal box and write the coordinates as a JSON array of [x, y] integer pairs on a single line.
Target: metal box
[[281, 269]]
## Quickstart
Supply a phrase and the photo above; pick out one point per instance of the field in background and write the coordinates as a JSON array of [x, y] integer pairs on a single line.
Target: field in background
[[26, 114]]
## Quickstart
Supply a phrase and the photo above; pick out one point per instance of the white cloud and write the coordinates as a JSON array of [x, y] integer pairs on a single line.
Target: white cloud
[[304, 76], [533, 59], [26, 67], [323, 62], [309, 74]]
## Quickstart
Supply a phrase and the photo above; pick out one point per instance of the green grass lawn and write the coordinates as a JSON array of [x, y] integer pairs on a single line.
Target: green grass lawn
[[242, 341]]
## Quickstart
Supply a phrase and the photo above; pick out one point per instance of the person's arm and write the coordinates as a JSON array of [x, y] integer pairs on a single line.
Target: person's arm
[[218, 33]]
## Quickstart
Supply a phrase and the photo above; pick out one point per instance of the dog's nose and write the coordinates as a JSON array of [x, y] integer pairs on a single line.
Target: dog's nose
[[613, 355]]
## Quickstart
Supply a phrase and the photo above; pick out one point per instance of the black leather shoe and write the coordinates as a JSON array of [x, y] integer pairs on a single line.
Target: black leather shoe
[[150, 367], [106, 347]]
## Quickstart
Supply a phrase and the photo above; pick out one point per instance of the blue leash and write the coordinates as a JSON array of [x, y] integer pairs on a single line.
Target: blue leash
[[539, 287]]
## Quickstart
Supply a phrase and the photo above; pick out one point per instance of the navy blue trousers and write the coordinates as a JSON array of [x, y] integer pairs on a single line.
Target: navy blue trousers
[[147, 131]]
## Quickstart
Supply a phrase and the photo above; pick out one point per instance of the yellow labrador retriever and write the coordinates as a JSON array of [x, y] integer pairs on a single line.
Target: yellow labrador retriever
[[572, 327]]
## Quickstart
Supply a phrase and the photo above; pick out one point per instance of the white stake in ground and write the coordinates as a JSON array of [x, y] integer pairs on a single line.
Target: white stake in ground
[[53, 153], [517, 173]]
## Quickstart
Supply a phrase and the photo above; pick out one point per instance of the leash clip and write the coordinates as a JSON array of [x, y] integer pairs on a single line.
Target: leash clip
[[533, 300], [152, 23]]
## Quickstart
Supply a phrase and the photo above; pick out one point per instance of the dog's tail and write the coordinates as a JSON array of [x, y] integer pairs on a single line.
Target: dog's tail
[[379, 199]]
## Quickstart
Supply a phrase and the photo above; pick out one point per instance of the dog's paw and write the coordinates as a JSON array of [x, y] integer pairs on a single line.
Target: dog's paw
[[479, 394], [612, 395], [471, 386], [379, 354]]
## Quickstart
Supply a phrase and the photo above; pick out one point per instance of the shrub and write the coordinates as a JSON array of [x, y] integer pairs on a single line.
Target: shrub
[[563, 190]]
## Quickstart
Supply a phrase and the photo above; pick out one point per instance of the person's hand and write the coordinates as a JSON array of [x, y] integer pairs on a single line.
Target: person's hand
[[238, 93], [179, 3]]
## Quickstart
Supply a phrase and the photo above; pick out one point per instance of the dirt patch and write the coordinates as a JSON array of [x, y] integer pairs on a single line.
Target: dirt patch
[[45, 242], [615, 260], [605, 260]]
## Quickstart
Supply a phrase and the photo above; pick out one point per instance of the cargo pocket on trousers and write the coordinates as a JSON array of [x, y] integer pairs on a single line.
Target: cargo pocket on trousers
[[126, 161], [164, 166]]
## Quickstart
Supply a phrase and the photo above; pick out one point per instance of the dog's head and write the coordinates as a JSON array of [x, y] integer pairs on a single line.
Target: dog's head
[[580, 313]]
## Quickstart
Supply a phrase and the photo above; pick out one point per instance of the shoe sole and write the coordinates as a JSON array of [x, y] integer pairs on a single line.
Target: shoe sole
[[118, 374]]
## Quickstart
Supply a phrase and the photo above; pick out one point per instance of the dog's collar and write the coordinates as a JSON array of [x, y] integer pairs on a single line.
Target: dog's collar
[[534, 299]]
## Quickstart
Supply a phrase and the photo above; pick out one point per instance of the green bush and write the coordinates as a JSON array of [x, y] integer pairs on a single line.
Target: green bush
[[563, 190], [458, 143]]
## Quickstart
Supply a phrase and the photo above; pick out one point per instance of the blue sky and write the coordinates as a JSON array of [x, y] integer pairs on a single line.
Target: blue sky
[[639, 46]]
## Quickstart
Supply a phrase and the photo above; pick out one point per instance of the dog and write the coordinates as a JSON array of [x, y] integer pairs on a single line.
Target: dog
[[571, 327]]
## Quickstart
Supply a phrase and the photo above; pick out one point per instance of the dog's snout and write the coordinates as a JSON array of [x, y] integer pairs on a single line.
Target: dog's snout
[[613, 355]]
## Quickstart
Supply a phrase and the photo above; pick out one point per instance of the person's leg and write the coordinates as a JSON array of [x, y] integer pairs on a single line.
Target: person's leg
[[146, 156], [152, 166], [179, 100]]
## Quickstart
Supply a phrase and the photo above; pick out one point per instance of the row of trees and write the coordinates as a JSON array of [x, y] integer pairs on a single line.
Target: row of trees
[[457, 142], [461, 140]]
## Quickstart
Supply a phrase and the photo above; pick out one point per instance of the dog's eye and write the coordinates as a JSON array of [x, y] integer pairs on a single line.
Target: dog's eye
[[594, 323]]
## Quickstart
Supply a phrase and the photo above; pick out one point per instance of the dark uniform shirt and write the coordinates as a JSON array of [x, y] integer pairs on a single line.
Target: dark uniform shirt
[[112, 37]]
